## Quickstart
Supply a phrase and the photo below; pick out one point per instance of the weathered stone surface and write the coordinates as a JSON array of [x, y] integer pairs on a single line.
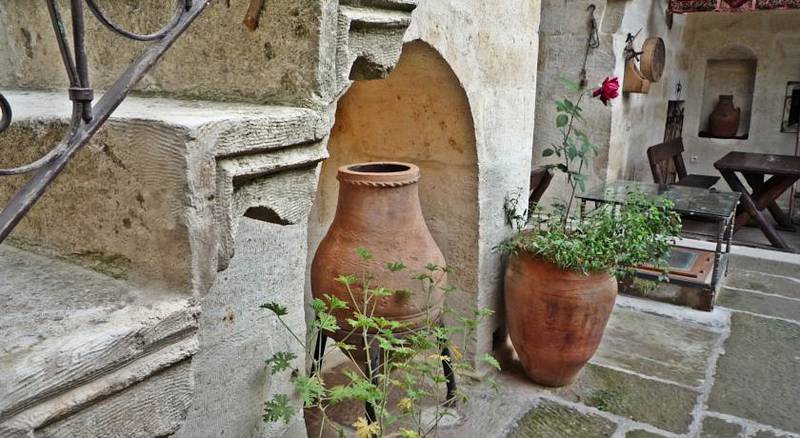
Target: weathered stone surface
[[780, 284], [640, 433], [365, 36], [549, 419], [236, 336], [631, 396], [158, 195], [492, 49], [71, 336], [770, 434], [758, 303], [656, 346], [287, 59], [217, 58], [277, 188], [755, 378], [749, 268], [155, 407], [170, 178], [717, 428], [489, 411]]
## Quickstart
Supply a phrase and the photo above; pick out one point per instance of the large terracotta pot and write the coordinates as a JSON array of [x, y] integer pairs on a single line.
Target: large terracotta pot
[[379, 210], [724, 120], [556, 318]]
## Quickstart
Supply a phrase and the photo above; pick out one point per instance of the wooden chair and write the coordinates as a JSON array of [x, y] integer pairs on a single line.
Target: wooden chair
[[672, 151], [540, 181]]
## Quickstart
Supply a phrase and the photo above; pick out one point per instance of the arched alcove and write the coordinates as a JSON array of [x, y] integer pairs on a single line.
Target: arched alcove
[[732, 71], [418, 114]]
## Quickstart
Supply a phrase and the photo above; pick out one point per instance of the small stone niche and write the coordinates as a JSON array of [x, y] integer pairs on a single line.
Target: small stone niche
[[733, 73]]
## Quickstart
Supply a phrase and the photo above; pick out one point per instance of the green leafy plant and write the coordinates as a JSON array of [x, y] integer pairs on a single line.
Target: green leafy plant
[[611, 238], [410, 358]]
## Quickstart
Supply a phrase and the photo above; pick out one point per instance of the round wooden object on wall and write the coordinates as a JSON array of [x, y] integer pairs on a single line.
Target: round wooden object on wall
[[653, 59]]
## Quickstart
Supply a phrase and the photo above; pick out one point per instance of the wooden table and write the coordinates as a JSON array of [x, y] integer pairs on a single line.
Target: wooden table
[[785, 171]]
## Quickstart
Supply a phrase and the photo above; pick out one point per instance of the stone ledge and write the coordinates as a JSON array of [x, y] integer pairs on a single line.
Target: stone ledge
[[71, 337], [401, 5], [370, 38], [232, 128]]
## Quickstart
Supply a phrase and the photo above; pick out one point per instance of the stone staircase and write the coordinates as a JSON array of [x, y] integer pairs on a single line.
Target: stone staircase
[[77, 346], [100, 319], [122, 311]]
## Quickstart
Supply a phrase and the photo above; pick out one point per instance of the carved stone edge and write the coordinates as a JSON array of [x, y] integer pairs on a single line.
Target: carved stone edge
[[125, 372], [273, 185], [370, 38]]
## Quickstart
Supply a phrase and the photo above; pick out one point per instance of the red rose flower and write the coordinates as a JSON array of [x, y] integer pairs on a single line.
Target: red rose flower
[[609, 90]]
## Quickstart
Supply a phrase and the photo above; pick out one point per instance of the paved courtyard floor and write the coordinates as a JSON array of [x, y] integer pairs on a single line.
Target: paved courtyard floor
[[661, 371], [666, 371]]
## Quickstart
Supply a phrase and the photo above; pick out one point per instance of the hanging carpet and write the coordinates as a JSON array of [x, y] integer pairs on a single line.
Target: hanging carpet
[[682, 6]]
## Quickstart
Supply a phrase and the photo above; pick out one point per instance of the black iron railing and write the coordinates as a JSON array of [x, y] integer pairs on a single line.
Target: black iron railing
[[86, 119]]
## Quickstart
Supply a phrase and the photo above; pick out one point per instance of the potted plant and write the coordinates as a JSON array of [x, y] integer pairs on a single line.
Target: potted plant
[[561, 277]]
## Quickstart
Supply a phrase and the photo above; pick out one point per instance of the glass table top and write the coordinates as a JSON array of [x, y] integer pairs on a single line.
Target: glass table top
[[688, 200]]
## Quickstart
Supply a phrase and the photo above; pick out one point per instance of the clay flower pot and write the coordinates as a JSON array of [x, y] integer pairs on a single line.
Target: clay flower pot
[[724, 120], [379, 210], [556, 318]]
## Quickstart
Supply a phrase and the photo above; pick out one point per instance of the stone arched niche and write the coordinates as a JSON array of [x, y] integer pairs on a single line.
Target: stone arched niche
[[732, 71], [418, 114]]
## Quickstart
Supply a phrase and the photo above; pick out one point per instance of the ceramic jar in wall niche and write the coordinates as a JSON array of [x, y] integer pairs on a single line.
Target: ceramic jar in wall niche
[[379, 210], [724, 120]]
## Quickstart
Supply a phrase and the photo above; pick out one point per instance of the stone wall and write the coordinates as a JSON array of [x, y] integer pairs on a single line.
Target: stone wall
[[563, 34], [637, 121], [492, 48], [217, 59], [236, 336], [773, 37]]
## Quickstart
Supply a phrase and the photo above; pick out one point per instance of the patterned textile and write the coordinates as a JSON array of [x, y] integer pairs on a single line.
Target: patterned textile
[[682, 6]]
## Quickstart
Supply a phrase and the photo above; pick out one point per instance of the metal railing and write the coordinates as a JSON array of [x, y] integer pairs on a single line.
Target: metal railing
[[86, 119]]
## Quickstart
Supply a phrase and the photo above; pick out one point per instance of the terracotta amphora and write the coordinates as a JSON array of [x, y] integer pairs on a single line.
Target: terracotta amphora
[[556, 318], [379, 210], [724, 120]]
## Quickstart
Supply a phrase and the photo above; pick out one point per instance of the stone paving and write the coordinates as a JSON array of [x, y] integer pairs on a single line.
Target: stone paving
[[665, 371]]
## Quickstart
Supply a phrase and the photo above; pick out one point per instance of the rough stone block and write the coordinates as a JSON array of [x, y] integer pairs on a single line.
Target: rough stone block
[[758, 303], [756, 377], [641, 433], [217, 58], [155, 407], [656, 346], [71, 337], [717, 428], [163, 182], [549, 419], [236, 336], [632, 396]]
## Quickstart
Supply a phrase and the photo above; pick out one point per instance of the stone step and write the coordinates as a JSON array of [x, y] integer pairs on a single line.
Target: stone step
[[72, 338], [158, 192]]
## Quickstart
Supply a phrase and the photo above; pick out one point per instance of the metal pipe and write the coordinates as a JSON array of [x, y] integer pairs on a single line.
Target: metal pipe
[[81, 63]]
